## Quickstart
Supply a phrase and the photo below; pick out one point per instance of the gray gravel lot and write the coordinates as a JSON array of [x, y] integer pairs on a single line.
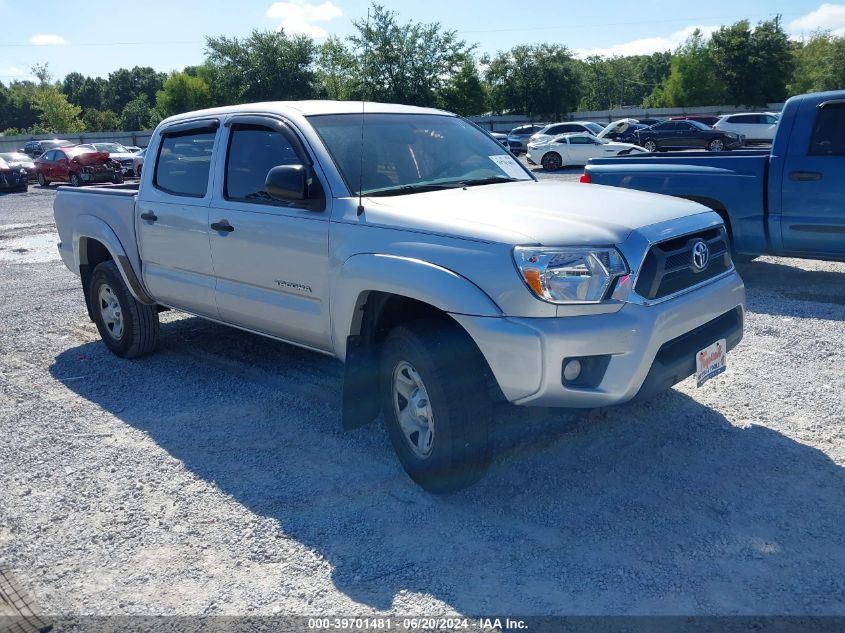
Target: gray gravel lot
[[214, 478]]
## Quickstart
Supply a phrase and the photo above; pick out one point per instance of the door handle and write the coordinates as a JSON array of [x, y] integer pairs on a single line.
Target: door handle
[[222, 226], [149, 216], [805, 176]]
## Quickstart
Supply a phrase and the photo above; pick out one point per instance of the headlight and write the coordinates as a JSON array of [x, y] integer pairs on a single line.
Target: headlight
[[569, 275]]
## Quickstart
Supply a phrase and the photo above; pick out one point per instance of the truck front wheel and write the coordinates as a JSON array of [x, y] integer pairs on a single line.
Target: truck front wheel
[[128, 328], [436, 404]]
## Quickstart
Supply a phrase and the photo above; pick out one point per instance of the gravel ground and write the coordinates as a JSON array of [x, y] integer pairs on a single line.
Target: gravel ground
[[214, 478]]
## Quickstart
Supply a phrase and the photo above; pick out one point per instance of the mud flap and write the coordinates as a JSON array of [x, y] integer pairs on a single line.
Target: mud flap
[[360, 384]]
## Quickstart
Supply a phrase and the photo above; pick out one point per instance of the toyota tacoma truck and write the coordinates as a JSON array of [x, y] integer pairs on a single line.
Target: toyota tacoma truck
[[789, 201], [409, 244]]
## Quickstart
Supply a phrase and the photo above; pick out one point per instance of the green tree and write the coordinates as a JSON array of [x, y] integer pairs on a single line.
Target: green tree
[[266, 66], [774, 62], [56, 114], [20, 110], [100, 120], [753, 66], [541, 80], [86, 92], [819, 64], [692, 80], [466, 93], [137, 115], [182, 93], [125, 85], [337, 70], [408, 63]]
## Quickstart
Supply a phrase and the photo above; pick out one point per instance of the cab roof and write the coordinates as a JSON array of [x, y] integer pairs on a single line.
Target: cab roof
[[307, 108]]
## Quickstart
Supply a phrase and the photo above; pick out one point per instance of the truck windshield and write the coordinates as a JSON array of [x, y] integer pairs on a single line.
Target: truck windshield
[[404, 153]]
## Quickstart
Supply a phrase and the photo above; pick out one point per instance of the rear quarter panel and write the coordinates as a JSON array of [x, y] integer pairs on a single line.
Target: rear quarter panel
[[731, 183], [114, 207]]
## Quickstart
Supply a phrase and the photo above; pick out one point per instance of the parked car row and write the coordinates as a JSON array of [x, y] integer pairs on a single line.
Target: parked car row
[[694, 131], [77, 165], [58, 160]]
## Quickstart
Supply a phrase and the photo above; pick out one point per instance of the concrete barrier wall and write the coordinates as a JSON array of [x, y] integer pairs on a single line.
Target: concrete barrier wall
[[139, 138], [506, 122]]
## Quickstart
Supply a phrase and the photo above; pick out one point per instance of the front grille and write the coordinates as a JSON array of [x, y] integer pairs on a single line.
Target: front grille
[[668, 266], [514, 144], [127, 162]]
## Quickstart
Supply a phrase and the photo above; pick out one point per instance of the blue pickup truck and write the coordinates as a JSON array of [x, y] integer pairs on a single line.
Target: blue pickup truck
[[789, 201]]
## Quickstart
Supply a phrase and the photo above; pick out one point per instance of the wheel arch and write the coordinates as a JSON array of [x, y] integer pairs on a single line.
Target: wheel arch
[[372, 295], [94, 242], [715, 205]]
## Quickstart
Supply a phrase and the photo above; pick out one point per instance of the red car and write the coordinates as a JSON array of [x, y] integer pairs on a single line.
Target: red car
[[78, 166]]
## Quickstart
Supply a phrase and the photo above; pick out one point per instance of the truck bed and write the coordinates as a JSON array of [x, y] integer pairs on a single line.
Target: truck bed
[[731, 183], [109, 204]]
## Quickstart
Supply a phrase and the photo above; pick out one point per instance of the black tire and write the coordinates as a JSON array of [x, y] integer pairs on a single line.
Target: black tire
[[452, 371], [551, 161], [650, 146], [118, 179], [716, 145], [139, 322], [138, 173], [75, 180], [42, 180]]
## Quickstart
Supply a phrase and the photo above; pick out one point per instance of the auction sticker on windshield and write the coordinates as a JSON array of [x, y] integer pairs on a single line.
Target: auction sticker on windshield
[[508, 165], [710, 362]]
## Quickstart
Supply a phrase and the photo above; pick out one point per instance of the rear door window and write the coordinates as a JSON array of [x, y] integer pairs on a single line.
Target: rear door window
[[828, 137], [183, 163]]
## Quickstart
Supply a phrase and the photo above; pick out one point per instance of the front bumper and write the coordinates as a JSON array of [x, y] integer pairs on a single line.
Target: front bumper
[[99, 176], [648, 346], [12, 181]]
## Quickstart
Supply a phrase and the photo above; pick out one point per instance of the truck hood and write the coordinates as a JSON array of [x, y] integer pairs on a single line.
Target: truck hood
[[546, 212]]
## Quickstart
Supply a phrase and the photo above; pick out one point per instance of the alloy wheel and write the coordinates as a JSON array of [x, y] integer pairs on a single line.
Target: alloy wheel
[[413, 409], [110, 311]]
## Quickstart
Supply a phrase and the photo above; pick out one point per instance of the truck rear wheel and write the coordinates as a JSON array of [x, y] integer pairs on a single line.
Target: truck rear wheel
[[436, 405], [128, 328]]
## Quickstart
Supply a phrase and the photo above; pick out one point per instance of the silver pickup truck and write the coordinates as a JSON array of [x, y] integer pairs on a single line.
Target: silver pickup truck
[[416, 249]]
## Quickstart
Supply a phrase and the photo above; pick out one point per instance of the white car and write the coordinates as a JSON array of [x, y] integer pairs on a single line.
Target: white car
[[116, 152], [755, 126], [572, 127], [575, 149]]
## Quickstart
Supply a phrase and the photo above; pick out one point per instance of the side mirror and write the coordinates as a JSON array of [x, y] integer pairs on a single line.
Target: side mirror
[[288, 183]]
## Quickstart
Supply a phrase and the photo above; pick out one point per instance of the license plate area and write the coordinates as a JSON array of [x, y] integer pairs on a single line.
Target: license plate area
[[710, 362]]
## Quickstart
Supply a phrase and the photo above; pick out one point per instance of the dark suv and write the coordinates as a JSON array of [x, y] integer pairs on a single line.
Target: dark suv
[[36, 148], [518, 137]]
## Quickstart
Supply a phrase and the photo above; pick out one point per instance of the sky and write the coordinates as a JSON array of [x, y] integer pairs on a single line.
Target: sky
[[169, 35]]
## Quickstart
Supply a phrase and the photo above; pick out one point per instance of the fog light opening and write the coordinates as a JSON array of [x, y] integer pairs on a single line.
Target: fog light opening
[[572, 370]]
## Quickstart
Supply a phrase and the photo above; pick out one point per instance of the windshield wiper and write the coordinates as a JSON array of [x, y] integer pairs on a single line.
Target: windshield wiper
[[492, 180], [420, 188], [436, 186]]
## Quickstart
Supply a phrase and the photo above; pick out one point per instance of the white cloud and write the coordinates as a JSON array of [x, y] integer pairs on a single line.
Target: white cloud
[[647, 45], [45, 39], [826, 17], [299, 16], [13, 72]]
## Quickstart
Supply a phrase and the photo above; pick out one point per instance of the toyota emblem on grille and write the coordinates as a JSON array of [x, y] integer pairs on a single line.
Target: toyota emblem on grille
[[700, 256]]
